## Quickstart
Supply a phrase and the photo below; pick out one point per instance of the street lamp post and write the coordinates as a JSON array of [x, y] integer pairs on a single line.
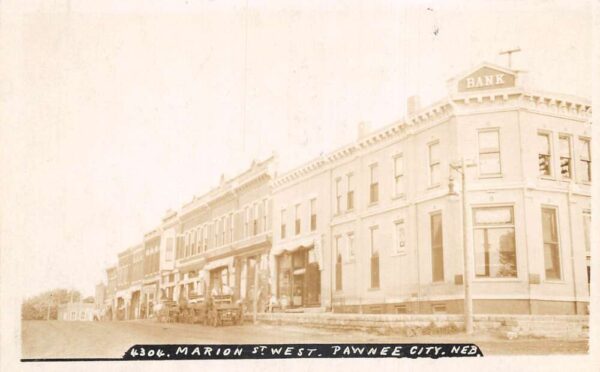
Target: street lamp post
[[467, 259]]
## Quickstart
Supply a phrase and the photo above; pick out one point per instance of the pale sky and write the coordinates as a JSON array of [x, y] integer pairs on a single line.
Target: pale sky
[[121, 112]]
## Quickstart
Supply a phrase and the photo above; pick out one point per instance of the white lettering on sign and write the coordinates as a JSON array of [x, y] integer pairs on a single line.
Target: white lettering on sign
[[485, 81]]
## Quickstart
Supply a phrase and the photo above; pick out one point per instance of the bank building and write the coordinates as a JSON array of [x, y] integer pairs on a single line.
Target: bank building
[[379, 225]]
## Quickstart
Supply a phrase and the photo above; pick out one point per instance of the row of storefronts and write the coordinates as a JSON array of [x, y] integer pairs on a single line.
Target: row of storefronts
[[377, 225]]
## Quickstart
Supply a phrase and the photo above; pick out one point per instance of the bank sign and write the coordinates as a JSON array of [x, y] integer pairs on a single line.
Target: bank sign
[[486, 78]]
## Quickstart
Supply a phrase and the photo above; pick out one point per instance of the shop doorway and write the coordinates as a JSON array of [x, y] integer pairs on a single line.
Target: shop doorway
[[299, 278]]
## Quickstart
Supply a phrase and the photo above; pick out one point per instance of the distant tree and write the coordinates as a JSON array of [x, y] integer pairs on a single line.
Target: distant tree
[[45, 304]]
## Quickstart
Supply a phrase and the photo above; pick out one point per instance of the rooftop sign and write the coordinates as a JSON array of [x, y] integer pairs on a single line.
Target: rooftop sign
[[486, 78]]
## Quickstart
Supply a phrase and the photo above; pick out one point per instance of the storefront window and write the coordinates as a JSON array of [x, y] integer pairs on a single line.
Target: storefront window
[[551, 245], [494, 243]]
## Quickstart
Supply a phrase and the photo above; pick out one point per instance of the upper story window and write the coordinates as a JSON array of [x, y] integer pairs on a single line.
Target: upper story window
[[350, 192], [313, 214], [255, 219], [282, 228], [194, 241], [200, 238], [205, 239], [264, 215], [585, 160], [434, 163], [215, 233], [246, 222], [374, 184], [494, 242], [489, 152], [223, 229], [564, 145], [398, 175], [544, 154], [298, 221], [187, 244], [230, 227], [338, 195]]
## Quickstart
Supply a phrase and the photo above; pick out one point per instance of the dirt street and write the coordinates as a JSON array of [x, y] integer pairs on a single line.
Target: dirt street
[[58, 339]]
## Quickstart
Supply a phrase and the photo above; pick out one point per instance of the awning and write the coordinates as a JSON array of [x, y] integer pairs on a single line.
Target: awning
[[294, 245]]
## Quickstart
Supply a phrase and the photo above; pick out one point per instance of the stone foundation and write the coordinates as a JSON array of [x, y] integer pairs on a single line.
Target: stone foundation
[[508, 325]]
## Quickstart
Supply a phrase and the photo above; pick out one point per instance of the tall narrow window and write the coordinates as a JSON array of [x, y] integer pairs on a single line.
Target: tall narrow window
[[264, 216], [222, 230], [350, 192], [215, 233], [338, 263], [565, 156], [437, 248], [231, 227], [205, 237], [246, 222], [494, 242], [585, 160], [400, 239], [374, 184], [196, 238], [200, 239], [350, 245], [313, 214], [434, 163], [255, 219], [338, 195], [398, 175], [187, 244], [551, 245], [489, 152], [374, 257], [282, 228], [298, 220], [544, 154]]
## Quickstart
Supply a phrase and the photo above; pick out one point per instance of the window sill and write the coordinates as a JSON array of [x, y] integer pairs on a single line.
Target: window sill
[[554, 281], [547, 178], [399, 196], [351, 261], [496, 280], [587, 183], [431, 187], [487, 176], [373, 289], [398, 254], [373, 204]]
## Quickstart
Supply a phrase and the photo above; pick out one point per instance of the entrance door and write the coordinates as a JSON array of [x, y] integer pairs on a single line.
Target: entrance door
[[299, 281]]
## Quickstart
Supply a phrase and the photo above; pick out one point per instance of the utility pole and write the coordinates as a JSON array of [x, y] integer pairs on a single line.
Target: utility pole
[[467, 253], [509, 53]]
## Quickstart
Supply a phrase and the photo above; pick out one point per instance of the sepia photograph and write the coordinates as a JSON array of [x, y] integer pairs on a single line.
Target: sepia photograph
[[201, 179]]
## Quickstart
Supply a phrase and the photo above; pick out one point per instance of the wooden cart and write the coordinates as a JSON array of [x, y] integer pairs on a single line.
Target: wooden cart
[[222, 310]]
